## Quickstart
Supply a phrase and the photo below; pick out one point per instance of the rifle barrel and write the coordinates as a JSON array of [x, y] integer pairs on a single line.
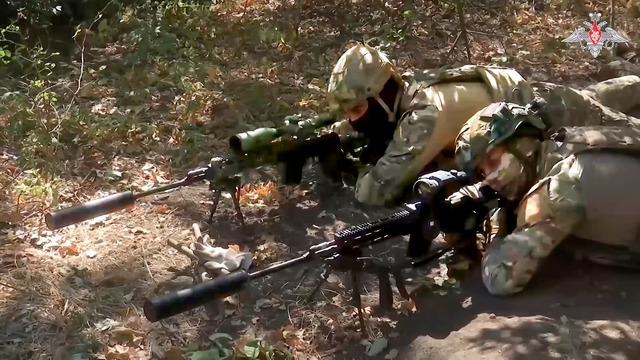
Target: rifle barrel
[[112, 203], [190, 298], [89, 210], [184, 300]]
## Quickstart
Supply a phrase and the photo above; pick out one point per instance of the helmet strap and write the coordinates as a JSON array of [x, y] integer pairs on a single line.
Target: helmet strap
[[391, 113], [529, 163]]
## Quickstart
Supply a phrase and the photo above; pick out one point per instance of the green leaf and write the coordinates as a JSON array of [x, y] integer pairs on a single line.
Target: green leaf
[[252, 349], [191, 347], [138, 108], [377, 346], [226, 354], [221, 340], [76, 357], [204, 355], [103, 26], [113, 175]]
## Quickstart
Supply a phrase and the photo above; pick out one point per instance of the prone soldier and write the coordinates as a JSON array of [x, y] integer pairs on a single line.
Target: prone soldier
[[412, 119], [574, 185]]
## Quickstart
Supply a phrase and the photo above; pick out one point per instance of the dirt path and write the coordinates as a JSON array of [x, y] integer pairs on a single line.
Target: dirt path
[[574, 311]]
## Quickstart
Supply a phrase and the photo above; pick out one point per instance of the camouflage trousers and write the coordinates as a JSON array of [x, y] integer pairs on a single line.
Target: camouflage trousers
[[604, 103]]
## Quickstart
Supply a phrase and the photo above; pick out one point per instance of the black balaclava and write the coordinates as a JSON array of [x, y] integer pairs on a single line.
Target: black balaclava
[[374, 123]]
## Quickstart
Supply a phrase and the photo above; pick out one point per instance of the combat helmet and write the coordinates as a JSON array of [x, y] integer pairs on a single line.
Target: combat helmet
[[361, 73], [494, 125]]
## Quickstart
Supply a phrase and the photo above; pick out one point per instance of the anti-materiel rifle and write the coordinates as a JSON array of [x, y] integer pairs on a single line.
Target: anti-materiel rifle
[[289, 146], [421, 219]]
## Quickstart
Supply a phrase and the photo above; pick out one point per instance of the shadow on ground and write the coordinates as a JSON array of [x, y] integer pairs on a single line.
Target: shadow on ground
[[70, 309], [572, 310]]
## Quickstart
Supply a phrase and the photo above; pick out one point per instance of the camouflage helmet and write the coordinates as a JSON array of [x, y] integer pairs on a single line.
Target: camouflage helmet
[[361, 73], [494, 125]]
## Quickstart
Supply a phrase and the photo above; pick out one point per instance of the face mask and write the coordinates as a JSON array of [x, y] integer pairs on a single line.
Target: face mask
[[374, 123], [508, 178]]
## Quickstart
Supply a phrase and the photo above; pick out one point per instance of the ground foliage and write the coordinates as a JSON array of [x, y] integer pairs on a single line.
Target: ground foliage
[[138, 94]]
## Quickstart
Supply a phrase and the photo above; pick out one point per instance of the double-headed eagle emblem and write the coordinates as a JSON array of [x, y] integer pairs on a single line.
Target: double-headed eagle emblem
[[595, 36]]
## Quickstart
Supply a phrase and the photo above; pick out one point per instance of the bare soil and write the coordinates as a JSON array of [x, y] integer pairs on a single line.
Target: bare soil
[[572, 310]]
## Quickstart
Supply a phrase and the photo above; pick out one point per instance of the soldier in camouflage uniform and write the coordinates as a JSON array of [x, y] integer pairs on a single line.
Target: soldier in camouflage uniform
[[419, 114], [574, 186]]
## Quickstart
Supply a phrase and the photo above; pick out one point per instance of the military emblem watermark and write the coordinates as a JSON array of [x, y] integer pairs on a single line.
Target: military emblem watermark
[[595, 36]]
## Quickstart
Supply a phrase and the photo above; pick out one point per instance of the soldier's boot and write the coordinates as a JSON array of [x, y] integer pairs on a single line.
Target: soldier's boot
[[620, 94], [567, 106], [617, 68]]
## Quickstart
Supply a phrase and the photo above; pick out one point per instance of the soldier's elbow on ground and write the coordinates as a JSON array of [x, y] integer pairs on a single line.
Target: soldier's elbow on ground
[[496, 284], [368, 192], [367, 198]]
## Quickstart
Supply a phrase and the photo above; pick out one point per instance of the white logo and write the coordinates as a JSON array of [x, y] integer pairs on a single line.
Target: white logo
[[595, 36]]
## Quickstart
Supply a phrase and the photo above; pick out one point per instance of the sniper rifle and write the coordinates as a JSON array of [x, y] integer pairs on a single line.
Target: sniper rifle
[[422, 220], [289, 146]]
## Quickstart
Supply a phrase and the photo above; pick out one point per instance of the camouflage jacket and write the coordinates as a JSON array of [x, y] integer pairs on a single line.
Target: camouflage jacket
[[435, 105], [582, 189]]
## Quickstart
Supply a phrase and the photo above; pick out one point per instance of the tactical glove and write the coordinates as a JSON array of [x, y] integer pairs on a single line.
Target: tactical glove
[[336, 166], [342, 128], [469, 192]]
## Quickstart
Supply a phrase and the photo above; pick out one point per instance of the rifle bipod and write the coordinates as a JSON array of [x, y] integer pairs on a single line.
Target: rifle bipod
[[231, 186], [356, 264]]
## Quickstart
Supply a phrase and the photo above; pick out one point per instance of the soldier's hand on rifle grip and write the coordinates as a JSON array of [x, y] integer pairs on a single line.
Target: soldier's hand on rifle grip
[[336, 166], [469, 192], [342, 128]]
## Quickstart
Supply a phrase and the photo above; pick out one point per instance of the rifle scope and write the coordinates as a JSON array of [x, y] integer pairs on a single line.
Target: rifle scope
[[257, 139]]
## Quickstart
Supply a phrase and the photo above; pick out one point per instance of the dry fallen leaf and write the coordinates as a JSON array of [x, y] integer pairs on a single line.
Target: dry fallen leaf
[[174, 354], [213, 74], [120, 352], [124, 334], [71, 250], [264, 303], [139, 230], [409, 305], [12, 217], [218, 336], [60, 353], [467, 302], [162, 209], [260, 194], [270, 250], [292, 337]]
